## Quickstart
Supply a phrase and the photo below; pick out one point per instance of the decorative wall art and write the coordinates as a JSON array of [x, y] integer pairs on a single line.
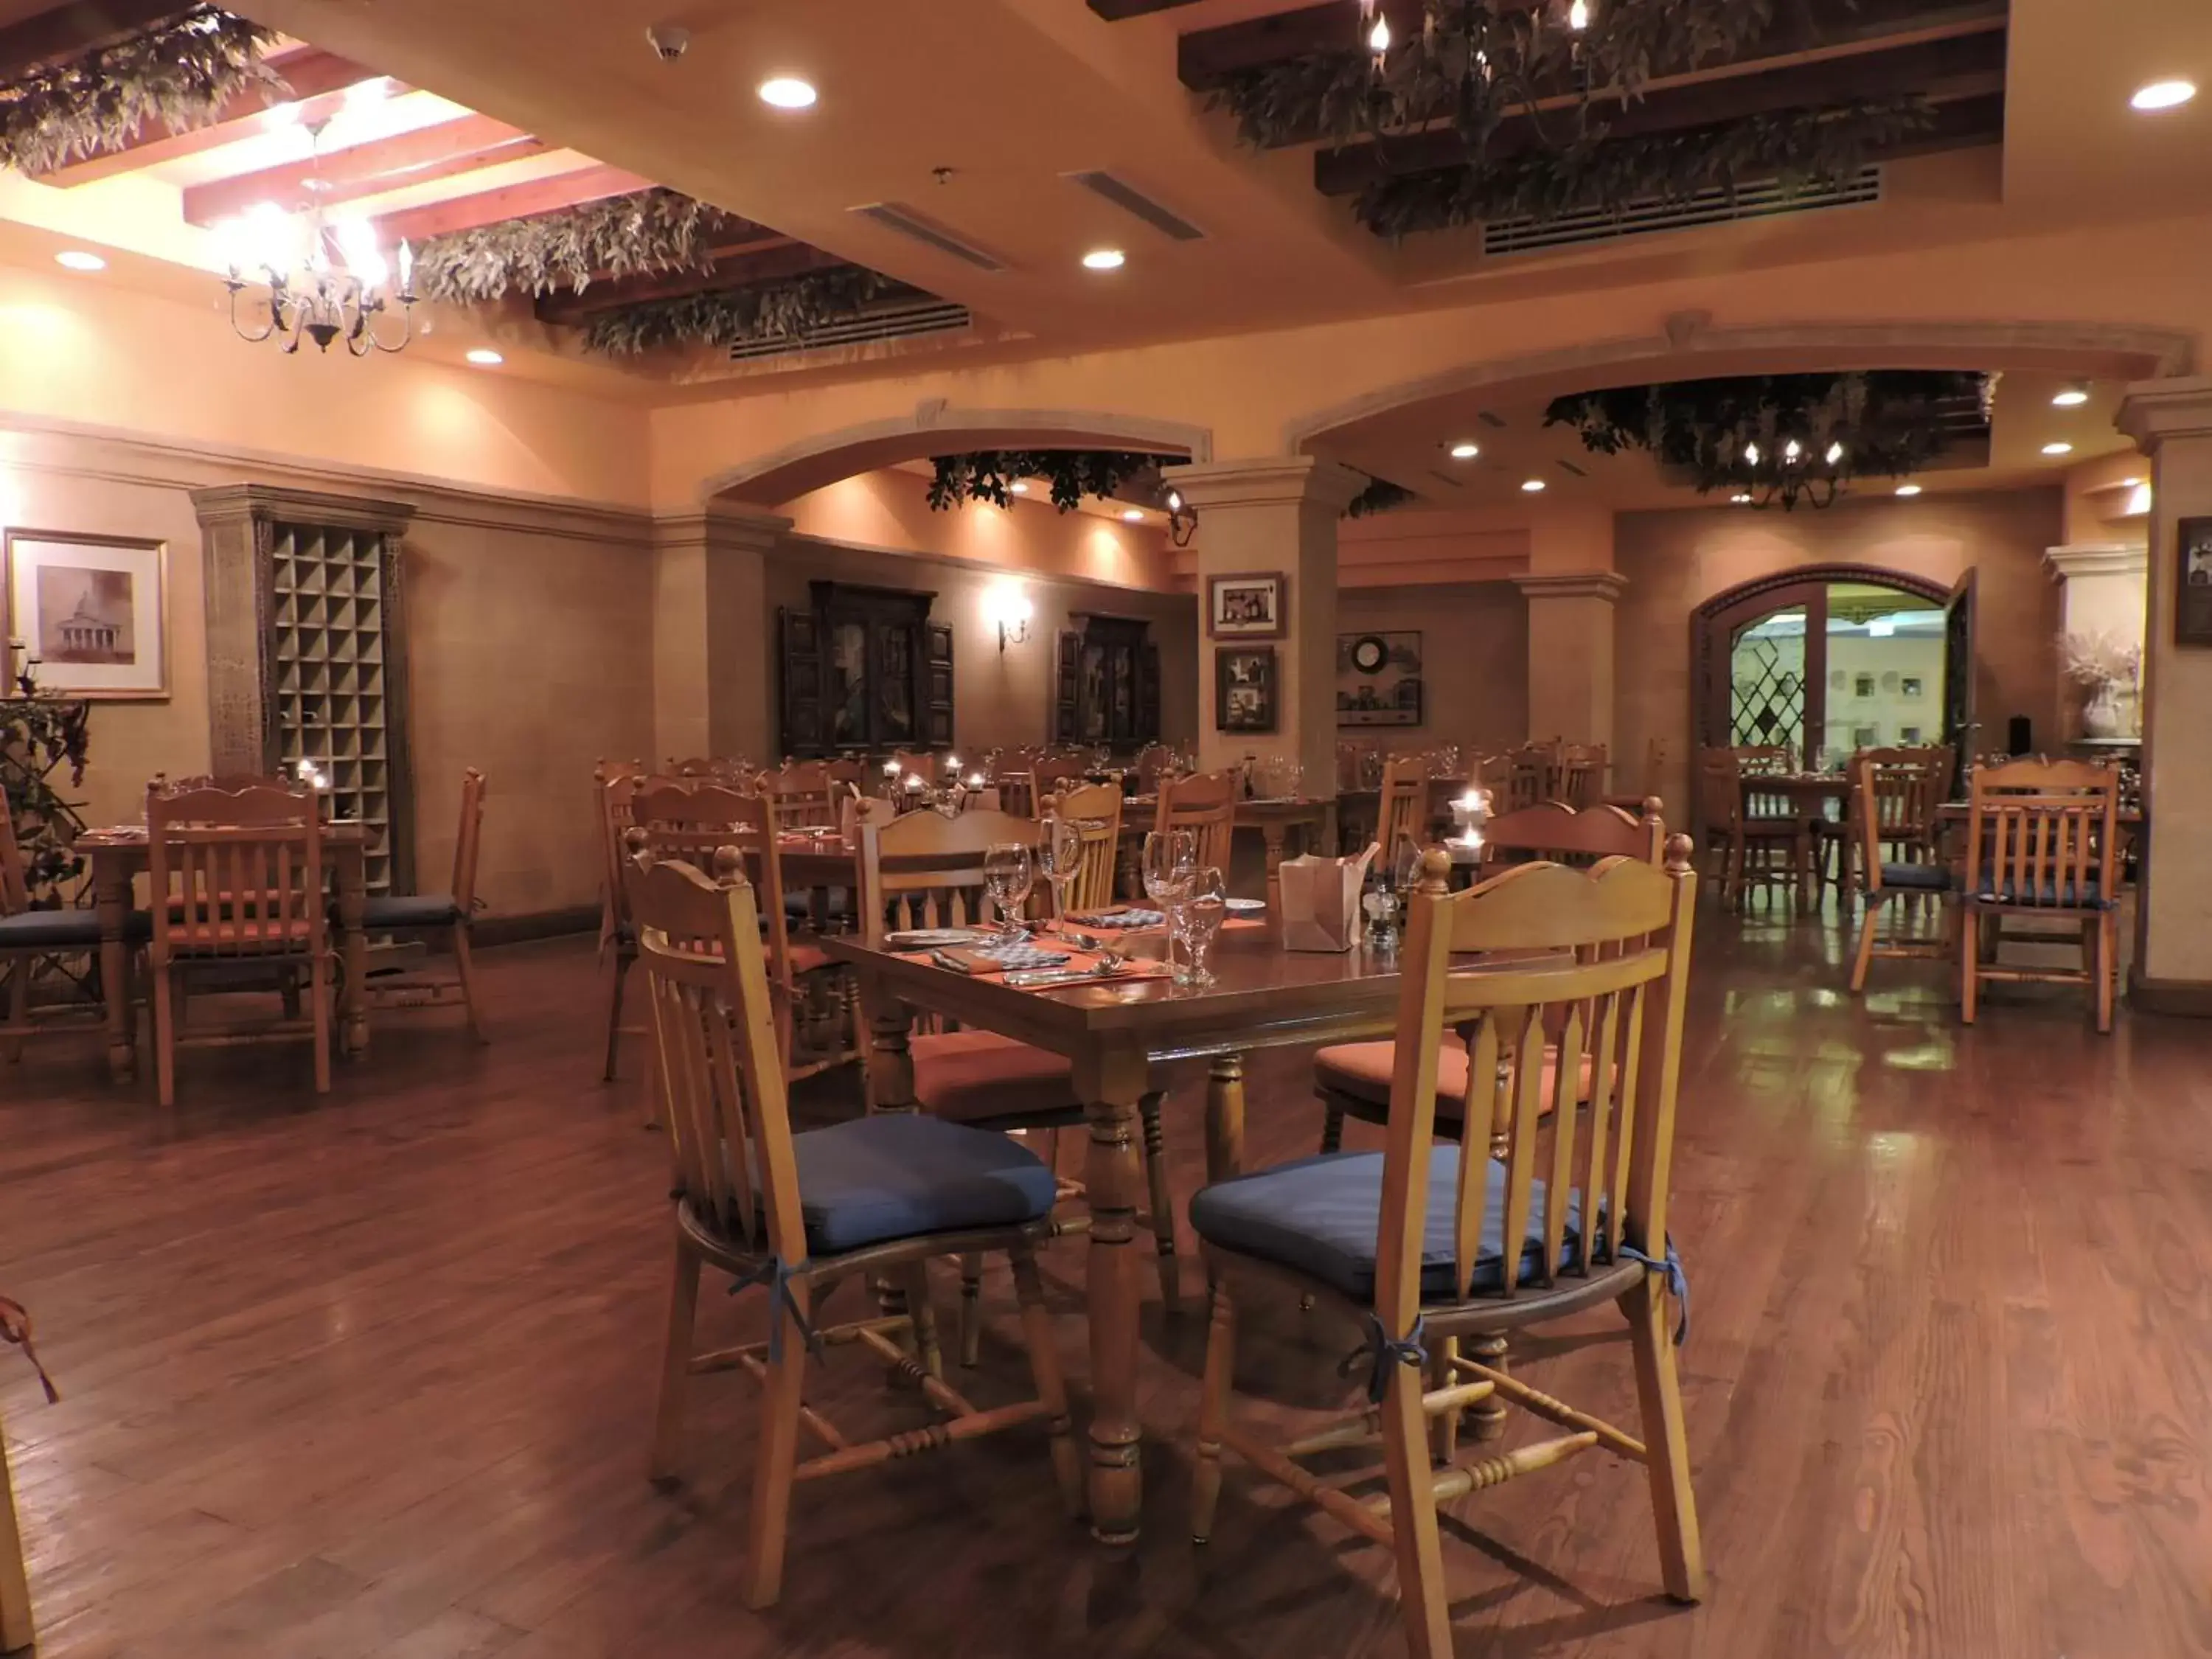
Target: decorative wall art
[[1252, 606], [90, 609], [1244, 689], [1379, 679], [2192, 599]]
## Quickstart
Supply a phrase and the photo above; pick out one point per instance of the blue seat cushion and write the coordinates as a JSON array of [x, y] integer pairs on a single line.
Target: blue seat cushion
[[66, 930], [410, 910], [1319, 1216], [905, 1174], [2050, 891], [1917, 878]]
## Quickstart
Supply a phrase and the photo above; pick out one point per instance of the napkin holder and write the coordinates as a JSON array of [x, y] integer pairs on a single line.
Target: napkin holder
[[1321, 900]]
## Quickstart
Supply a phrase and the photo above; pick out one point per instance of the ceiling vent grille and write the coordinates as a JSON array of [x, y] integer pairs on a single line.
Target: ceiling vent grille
[[1133, 201], [1768, 198], [891, 323], [920, 227]]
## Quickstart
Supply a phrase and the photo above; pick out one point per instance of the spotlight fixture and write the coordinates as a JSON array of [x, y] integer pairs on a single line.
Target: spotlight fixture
[[2163, 94], [2072, 397], [787, 92], [78, 259], [485, 357], [2058, 449], [1908, 489], [1465, 452], [1183, 519], [1532, 486], [1021, 486], [1104, 258]]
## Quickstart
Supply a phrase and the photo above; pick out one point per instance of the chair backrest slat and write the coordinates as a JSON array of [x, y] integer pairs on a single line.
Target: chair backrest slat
[[1097, 809], [1205, 802], [1403, 809]]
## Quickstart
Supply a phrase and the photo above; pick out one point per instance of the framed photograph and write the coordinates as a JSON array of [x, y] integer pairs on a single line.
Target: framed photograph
[[1247, 607], [1244, 696], [1912, 687], [1862, 685], [1379, 679], [2192, 599], [92, 612]]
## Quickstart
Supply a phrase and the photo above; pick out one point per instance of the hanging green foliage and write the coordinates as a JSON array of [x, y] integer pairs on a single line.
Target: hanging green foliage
[[41, 737], [648, 232], [744, 316], [1380, 496], [1800, 148], [990, 475], [180, 73]]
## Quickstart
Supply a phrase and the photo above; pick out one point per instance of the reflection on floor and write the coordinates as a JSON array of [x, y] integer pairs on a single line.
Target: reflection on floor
[[370, 1376]]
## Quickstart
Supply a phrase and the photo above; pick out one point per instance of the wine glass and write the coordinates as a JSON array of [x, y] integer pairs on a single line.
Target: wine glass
[[1061, 850], [1203, 912], [1170, 863], [1009, 874]]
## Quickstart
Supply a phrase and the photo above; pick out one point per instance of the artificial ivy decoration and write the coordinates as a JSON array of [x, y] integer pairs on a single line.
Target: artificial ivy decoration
[[770, 311], [1769, 437], [180, 73], [1380, 496], [40, 736], [648, 232], [989, 475], [1800, 147]]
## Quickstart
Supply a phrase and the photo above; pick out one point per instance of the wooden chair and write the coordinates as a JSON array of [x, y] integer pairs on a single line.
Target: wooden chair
[[1353, 1079], [732, 769], [613, 784], [1760, 838], [1402, 811], [28, 937], [2043, 841], [1425, 1246], [805, 794], [449, 912], [237, 877], [17, 1630], [799, 1215], [1097, 809], [923, 871], [1578, 777], [1894, 795], [1527, 774], [1205, 802]]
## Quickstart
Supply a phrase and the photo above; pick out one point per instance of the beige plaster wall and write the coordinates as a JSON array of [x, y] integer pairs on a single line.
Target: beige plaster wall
[[1474, 660], [1674, 561]]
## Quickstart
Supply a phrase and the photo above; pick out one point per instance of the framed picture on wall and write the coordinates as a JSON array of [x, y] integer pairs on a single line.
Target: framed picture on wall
[[1254, 606], [92, 611], [2192, 599], [1379, 679], [1244, 694]]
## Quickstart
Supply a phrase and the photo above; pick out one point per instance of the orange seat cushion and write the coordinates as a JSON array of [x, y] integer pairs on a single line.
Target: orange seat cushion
[[1362, 1070], [990, 1081], [807, 957]]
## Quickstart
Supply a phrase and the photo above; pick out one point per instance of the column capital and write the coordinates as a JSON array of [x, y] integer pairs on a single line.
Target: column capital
[[721, 528], [1607, 585], [2096, 559], [2154, 411], [1267, 481]]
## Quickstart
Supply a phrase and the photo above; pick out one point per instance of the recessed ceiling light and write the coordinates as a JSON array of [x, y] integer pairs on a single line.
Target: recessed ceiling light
[[2073, 398], [77, 259], [1908, 489], [1465, 452], [1021, 488], [1133, 515], [2164, 94], [1532, 486], [1104, 258], [2058, 449], [787, 92], [1742, 498], [485, 357]]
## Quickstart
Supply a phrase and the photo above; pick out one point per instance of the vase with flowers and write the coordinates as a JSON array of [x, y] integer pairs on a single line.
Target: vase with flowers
[[2111, 673]]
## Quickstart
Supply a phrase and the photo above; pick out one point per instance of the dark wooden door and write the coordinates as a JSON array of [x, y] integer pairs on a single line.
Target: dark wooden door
[[1960, 727], [1755, 697]]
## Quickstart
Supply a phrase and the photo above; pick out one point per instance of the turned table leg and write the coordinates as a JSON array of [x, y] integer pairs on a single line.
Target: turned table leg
[[111, 882], [1111, 1084], [353, 944], [1224, 1118]]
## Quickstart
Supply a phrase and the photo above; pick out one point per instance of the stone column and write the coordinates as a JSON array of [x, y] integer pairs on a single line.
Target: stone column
[[713, 634], [1571, 654], [2101, 591], [2172, 420], [1275, 514]]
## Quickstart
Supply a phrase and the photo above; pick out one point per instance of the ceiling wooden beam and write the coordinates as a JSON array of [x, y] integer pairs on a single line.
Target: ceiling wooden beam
[[466, 143], [319, 83], [589, 181], [1944, 71], [766, 262], [66, 32]]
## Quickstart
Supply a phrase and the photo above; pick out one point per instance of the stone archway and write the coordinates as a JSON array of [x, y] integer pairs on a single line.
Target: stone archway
[[936, 427]]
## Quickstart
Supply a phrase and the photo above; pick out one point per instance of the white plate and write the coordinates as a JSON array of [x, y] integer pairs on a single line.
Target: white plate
[[1245, 907], [936, 939]]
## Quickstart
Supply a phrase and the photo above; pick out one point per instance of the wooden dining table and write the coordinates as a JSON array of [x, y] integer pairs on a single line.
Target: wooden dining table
[[118, 854], [1274, 817], [1115, 1032]]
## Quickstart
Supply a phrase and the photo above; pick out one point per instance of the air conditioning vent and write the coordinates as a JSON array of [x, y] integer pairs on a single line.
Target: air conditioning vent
[[1767, 199], [1131, 200], [901, 322], [920, 227]]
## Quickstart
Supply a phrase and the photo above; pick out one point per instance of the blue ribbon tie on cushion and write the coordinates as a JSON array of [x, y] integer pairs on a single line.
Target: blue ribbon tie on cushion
[[773, 1272], [1379, 1350], [1678, 1283]]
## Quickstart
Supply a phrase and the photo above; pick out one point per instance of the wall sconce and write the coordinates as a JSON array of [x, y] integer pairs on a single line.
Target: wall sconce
[[1183, 519], [1010, 609]]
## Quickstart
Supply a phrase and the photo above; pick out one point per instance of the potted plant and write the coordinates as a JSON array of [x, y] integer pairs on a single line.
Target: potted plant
[[2112, 674]]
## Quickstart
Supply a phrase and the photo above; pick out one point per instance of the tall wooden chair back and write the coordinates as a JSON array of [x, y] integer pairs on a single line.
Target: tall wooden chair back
[[1579, 779], [1530, 775], [1403, 809], [1894, 795], [1096, 808], [469, 842], [806, 795], [719, 769], [237, 872], [927, 871], [1154, 762], [1553, 830], [2043, 833], [1205, 802], [1050, 772], [613, 783]]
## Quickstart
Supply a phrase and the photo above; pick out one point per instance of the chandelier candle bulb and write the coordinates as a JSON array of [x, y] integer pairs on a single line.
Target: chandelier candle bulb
[[1378, 37]]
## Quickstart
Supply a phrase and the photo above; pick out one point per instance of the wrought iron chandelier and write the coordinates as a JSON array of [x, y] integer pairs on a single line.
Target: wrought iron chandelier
[[319, 281]]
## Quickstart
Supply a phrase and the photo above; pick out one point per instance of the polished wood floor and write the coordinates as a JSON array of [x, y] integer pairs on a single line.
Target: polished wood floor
[[371, 1375]]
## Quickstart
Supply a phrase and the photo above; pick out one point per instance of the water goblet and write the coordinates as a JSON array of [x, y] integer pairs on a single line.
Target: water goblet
[[1009, 872]]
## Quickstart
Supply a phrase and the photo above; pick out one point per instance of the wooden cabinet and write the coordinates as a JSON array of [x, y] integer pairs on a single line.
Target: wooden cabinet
[[863, 669], [1106, 683]]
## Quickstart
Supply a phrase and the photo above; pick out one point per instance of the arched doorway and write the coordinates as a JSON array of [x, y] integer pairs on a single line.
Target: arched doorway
[[1826, 660]]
